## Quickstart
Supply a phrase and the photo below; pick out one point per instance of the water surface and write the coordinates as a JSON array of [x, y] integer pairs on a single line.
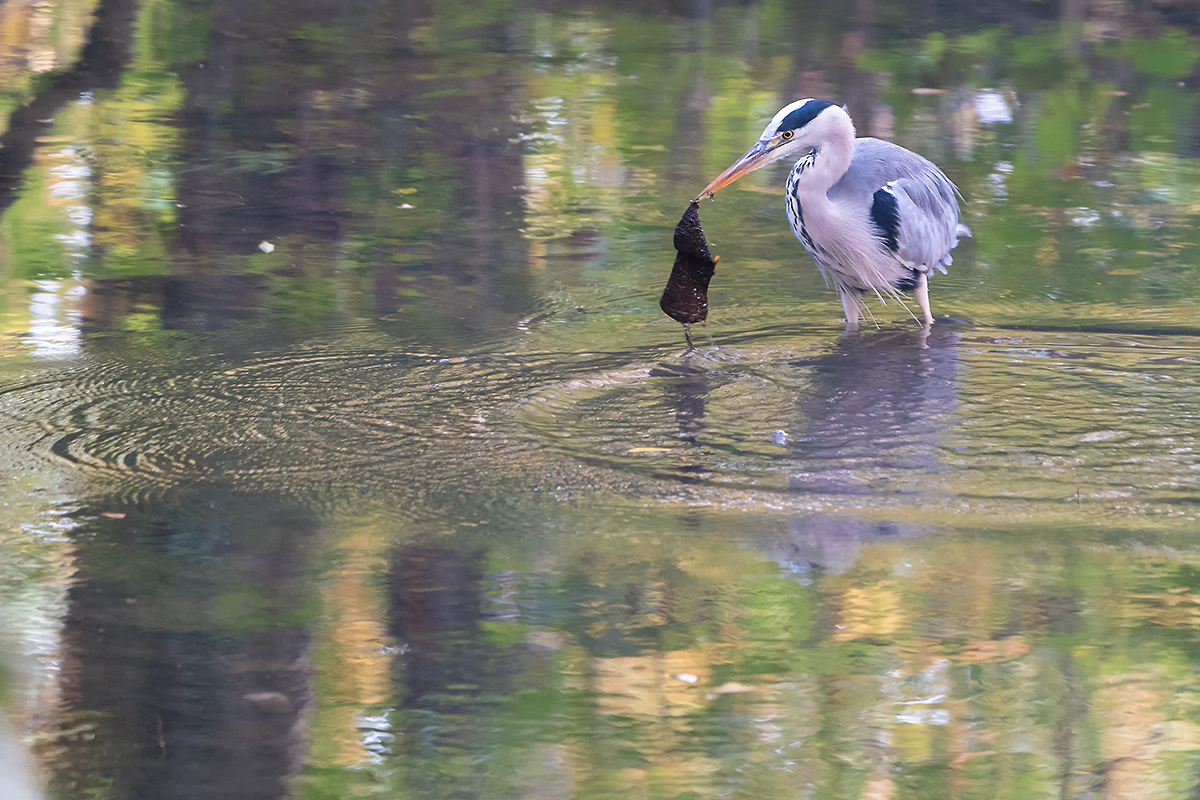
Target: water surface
[[349, 454]]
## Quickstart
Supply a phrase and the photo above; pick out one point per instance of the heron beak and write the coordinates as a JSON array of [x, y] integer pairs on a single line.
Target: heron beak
[[755, 157]]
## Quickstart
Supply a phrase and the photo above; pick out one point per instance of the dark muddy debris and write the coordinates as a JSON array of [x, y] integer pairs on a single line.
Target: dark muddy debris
[[685, 299]]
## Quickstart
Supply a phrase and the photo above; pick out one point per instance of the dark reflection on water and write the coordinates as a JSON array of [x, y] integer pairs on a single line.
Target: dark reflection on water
[[436, 606], [186, 652], [99, 66], [349, 454]]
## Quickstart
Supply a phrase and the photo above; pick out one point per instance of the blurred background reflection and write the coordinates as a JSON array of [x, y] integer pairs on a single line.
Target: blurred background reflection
[[347, 452]]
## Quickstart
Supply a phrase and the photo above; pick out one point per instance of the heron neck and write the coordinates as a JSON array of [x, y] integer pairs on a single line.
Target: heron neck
[[825, 167]]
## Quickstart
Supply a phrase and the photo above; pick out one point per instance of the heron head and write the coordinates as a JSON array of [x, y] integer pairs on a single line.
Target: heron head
[[795, 130]]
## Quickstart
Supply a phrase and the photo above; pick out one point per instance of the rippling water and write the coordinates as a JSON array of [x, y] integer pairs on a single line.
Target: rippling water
[[349, 454], [966, 421]]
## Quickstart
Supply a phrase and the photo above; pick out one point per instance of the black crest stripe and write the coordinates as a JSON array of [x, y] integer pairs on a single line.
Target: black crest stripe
[[803, 115]]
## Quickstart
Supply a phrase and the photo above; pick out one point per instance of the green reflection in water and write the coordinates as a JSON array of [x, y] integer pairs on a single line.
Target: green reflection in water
[[662, 660], [340, 326]]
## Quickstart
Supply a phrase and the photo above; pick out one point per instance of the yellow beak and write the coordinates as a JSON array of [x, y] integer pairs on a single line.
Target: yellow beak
[[755, 157]]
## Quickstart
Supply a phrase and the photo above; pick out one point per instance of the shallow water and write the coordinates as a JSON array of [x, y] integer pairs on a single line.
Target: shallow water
[[349, 454]]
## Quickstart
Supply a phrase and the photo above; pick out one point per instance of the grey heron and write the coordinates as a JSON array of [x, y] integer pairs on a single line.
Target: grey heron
[[874, 216]]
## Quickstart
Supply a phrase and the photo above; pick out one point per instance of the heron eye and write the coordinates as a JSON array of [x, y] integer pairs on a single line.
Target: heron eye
[[786, 134]]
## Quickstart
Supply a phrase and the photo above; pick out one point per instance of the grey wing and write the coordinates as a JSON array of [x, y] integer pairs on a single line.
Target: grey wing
[[912, 204]]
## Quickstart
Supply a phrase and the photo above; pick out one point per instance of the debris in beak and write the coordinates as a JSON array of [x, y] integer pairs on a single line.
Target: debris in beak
[[686, 297]]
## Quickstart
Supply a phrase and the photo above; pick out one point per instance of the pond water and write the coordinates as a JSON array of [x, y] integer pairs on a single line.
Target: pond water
[[348, 454]]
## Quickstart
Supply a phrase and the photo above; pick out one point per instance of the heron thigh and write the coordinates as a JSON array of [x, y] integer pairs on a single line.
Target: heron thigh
[[851, 305], [922, 294]]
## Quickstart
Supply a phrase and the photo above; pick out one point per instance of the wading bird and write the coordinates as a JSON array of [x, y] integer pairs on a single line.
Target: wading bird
[[874, 216]]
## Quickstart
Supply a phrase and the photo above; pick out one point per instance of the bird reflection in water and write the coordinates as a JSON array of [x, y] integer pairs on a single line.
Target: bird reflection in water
[[880, 401], [875, 425], [871, 424]]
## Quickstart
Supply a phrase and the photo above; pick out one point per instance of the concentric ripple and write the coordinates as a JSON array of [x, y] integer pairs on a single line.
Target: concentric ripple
[[322, 418], [1054, 423], [780, 416], [1045, 422]]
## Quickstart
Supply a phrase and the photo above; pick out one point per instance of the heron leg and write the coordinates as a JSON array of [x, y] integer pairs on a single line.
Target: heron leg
[[921, 290], [850, 304]]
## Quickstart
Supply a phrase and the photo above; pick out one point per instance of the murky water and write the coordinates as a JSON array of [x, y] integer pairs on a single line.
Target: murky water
[[348, 453]]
